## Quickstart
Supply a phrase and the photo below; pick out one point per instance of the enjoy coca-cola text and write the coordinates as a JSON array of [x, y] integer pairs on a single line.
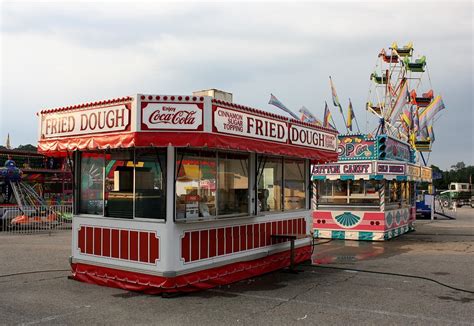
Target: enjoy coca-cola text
[[170, 115]]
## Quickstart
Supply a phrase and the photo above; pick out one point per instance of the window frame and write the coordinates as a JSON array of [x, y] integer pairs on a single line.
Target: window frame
[[180, 153], [103, 153], [307, 183]]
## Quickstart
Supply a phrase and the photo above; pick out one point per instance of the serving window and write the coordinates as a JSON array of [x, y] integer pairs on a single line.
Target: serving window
[[91, 194], [124, 184], [211, 184], [364, 193], [348, 192], [399, 193], [281, 184]]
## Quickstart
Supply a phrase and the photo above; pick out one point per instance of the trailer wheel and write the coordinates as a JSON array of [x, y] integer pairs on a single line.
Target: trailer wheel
[[445, 203]]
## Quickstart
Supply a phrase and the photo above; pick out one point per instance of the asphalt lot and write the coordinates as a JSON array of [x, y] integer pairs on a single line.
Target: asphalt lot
[[441, 250]]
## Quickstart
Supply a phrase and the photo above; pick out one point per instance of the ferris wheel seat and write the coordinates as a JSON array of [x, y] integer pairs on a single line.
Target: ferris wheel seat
[[421, 101], [405, 51], [388, 58], [377, 109], [423, 145], [417, 66], [378, 79], [429, 94]]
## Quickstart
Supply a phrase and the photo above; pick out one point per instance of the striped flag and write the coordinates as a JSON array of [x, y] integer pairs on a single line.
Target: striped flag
[[431, 133], [274, 101], [327, 117], [406, 118], [430, 111], [308, 117], [401, 101], [416, 122], [335, 99], [350, 116]]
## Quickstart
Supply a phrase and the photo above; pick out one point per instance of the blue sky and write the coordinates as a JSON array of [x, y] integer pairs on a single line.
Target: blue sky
[[55, 54]]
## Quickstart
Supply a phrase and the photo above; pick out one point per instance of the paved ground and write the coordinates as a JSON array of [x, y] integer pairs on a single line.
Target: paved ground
[[441, 250]]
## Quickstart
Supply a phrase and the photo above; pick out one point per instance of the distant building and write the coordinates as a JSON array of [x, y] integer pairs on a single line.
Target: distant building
[[7, 143]]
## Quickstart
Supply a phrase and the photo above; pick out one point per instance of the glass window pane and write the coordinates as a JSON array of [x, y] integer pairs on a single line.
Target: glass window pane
[[357, 187], [387, 191], [119, 184], [340, 188], [195, 184], [295, 185], [233, 184], [92, 184], [150, 185], [269, 180], [324, 195]]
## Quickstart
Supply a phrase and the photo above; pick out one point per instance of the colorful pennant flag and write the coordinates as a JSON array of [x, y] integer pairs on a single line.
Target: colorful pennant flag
[[350, 116], [335, 99], [274, 101], [416, 122], [308, 117], [430, 111], [327, 117], [431, 133], [406, 118], [401, 101]]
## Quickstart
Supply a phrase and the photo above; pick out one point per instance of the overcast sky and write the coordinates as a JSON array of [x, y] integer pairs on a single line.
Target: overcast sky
[[57, 54]]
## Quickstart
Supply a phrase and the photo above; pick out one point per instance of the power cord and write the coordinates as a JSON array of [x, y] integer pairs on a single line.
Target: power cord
[[389, 273], [36, 272]]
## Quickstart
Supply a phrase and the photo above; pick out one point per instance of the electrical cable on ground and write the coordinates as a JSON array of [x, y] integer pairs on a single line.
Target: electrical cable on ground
[[35, 272], [317, 244], [389, 273]]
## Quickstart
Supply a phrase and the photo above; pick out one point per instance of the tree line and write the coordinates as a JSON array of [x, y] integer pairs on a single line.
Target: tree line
[[458, 173]]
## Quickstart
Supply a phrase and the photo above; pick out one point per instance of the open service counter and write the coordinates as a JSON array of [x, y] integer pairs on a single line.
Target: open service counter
[[179, 193]]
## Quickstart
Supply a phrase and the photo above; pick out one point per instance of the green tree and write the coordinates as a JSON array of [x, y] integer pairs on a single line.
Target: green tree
[[28, 148]]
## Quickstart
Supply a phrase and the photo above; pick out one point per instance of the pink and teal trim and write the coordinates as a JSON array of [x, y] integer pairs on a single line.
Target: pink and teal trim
[[363, 225]]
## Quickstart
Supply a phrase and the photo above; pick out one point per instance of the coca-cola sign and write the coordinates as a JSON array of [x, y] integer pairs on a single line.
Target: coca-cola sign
[[182, 116]]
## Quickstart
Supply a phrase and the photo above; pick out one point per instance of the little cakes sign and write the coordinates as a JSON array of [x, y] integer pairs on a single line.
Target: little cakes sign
[[171, 116]]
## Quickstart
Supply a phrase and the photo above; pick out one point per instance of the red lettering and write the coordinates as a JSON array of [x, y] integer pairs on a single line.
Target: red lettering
[[120, 117], [72, 123], [48, 125], [281, 132], [272, 130], [110, 121], [92, 121], [258, 128], [101, 119], [249, 124], [84, 122]]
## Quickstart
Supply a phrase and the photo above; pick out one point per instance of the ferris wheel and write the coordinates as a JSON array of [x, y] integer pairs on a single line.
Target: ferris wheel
[[402, 97]]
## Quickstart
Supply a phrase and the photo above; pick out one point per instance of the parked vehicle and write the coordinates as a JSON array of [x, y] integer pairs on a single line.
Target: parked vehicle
[[459, 193]]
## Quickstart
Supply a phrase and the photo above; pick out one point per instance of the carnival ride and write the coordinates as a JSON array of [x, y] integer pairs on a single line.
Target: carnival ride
[[402, 97], [369, 194], [29, 210]]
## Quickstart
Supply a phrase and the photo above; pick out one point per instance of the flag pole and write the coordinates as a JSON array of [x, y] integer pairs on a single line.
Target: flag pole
[[338, 104]]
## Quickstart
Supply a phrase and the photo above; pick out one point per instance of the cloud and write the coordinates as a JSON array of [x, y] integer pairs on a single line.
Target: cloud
[[56, 54]]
